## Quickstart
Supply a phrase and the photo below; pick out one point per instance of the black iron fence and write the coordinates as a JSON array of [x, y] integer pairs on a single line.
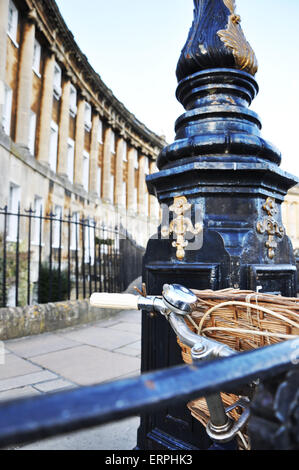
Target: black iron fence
[[55, 257]]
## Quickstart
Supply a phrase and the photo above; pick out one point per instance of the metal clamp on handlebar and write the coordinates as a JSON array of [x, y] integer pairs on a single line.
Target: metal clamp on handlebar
[[177, 302], [231, 428]]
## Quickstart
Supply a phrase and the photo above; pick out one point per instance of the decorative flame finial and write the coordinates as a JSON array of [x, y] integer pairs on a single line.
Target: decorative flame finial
[[216, 39]]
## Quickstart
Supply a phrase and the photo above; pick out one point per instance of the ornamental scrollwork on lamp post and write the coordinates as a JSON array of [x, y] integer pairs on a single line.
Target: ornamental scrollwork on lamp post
[[234, 38], [271, 226], [180, 226]]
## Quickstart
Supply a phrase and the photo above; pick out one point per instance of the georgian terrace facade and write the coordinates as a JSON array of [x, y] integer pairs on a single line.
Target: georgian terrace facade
[[66, 143], [290, 216]]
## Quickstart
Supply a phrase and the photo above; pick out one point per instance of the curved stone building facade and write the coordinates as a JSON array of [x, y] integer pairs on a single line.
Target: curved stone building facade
[[290, 214], [66, 143]]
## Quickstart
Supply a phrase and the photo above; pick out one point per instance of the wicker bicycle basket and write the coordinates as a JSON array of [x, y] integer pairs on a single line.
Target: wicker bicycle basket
[[243, 320]]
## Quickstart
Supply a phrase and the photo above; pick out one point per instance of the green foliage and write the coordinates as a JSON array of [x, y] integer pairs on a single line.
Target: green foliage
[[59, 285], [104, 241]]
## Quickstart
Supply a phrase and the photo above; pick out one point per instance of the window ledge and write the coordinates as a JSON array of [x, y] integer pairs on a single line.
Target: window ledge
[[73, 112], [38, 74], [13, 40], [57, 92], [12, 240], [34, 243], [88, 126]]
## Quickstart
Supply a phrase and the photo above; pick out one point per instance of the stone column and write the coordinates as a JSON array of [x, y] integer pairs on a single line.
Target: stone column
[[285, 212], [154, 205], [64, 128], [131, 179], [107, 166], [79, 142], [297, 225], [142, 186], [24, 94], [119, 172], [94, 153], [3, 45], [46, 110]]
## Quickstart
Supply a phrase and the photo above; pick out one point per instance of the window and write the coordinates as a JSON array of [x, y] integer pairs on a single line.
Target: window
[[136, 160], [146, 167], [111, 197], [74, 242], [135, 200], [37, 222], [53, 146], [13, 207], [89, 234], [293, 220], [124, 194], [7, 108], [73, 101], [57, 81], [32, 133], [87, 117], [100, 132], [36, 57], [70, 159], [85, 170], [112, 142], [99, 181], [13, 17], [56, 227], [146, 212], [125, 150]]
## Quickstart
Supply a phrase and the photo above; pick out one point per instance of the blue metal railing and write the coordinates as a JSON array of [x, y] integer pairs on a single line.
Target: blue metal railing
[[39, 417]]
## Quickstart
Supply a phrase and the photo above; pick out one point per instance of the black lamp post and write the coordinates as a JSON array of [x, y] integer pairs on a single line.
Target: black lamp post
[[222, 182]]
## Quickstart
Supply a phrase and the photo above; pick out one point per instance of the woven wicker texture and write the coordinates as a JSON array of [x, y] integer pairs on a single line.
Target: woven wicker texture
[[243, 320]]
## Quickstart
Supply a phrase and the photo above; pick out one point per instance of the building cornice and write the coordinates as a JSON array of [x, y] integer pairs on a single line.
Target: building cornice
[[60, 38]]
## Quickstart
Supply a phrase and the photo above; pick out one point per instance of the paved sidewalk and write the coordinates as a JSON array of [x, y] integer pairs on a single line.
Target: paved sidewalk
[[73, 357]]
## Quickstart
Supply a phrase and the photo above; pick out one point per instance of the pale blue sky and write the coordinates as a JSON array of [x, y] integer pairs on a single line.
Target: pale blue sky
[[135, 44]]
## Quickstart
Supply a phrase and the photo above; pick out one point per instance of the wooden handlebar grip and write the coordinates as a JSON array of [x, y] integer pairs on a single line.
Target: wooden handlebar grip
[[118, 301]]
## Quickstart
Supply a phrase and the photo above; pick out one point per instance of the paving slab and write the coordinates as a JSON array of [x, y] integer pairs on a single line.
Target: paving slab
[[15, 366], [126, 326], [129, 316], [77, 356], [87, 365], [134, 349], [107, 323], [133, 316], [101, 337], [128, 351], [54, 385], [21, 392], [28, 379], [37, 345], [116, 436]]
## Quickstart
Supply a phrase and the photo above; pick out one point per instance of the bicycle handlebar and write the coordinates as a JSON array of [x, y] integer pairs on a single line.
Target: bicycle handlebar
[[210, 348], [176, 303], [119, 301]]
